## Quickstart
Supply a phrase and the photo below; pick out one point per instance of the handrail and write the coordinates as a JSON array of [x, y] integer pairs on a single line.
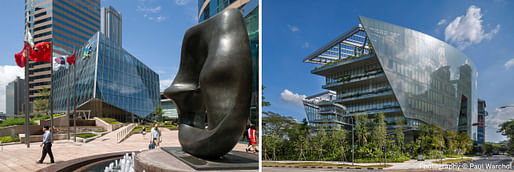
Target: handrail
[[122, 134]]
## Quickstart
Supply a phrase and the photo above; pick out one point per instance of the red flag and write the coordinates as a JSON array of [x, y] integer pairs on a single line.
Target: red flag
[[43, 53], [20, 57], [71, 59]]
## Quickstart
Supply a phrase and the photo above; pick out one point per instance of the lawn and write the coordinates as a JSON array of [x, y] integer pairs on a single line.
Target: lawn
[[453, 161], [320, 164], [100, 131], [110, 120], [86, 135]]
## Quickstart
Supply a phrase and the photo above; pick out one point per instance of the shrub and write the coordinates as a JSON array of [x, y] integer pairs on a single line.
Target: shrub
[[47, 117], [8, 139], [86, 135], [15, 121]]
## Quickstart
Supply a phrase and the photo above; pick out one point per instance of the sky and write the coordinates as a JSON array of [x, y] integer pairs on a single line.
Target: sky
[[483, 30], [152, 32]]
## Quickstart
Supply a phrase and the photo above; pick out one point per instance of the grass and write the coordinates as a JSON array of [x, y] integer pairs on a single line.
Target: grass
[[453, 161], [320, 164], [111, 121], [86, 135], [139, 128], [8, 139], [454, 156], [15, 121], [100, 131], [46, 117], [379, 160]]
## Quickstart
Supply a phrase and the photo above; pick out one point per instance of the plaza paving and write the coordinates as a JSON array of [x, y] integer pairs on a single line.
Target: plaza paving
[[17, 157]]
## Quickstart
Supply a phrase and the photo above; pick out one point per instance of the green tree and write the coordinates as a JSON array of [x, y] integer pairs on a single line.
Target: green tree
[[271, 144], [321, 142], [400, 136], [451, 142], [507, 129], [465, 143], [379, 132], [158, 113], [41, 104], [274, 123], [339, 138], [264, 103], [361, 128]]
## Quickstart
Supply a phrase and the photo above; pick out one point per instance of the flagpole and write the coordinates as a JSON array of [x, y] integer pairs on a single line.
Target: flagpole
[[51, 84], [27, 91], [27, 103], [68, 99], [75, 99]]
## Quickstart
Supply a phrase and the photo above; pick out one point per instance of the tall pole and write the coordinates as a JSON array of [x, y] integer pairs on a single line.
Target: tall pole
[[27, 107], [68, 101], [353, 138], [75, 101], [51, 98]]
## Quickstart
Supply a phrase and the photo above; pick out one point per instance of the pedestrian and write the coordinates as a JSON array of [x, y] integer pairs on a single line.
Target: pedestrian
[[246, 136], [143, 129], [47, 148], [156, 135], [253, 138]]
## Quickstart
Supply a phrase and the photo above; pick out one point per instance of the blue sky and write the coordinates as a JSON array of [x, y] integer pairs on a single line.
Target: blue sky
[[484, 30], [152, 32]]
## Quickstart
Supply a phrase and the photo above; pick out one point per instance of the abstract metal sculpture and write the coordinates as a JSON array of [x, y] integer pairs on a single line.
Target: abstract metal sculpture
[[213, 83]]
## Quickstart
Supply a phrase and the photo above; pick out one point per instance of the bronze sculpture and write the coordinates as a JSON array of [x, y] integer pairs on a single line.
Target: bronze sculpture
[[213, 82]]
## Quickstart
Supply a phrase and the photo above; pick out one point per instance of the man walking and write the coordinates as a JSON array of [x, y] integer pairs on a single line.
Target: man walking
[[156, 135], [47, 142]]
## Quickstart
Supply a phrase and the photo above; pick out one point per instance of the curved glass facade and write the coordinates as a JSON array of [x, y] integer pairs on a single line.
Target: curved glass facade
[[119, 83], [380, 67], [431, 80]]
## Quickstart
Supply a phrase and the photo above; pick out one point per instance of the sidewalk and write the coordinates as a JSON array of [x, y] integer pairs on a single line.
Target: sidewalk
[[18, 157]]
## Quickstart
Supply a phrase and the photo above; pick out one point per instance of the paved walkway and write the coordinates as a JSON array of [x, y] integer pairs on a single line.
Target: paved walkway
[[18, 157]]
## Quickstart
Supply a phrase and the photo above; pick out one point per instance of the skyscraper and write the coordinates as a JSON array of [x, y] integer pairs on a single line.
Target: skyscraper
[[111, 24], [15, 97], [67, 23], [377, 67], [482, 113], [250, 9]]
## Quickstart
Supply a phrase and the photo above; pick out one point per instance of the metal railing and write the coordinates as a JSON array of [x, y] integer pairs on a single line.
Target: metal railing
[[122, 134]]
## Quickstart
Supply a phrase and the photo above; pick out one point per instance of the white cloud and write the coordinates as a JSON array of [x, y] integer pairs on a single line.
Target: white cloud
[[149, 9], [181, 2], [467, 30], [495, 118], [509, 63], [293, 28], [157, 19], [8, 74], [306, 45], [163, 84], [442, 22], [292, 98]]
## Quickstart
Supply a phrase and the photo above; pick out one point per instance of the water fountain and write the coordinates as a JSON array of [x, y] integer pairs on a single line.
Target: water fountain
[[125, 164]]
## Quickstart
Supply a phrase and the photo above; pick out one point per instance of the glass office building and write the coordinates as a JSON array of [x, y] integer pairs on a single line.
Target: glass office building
[[68, 24], [323, 111], [110, 82], [380, 67], [482, 113], [250, 9]]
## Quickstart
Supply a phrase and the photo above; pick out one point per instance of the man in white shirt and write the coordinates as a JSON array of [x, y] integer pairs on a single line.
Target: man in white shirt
[[156, 135], [47, 142]]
